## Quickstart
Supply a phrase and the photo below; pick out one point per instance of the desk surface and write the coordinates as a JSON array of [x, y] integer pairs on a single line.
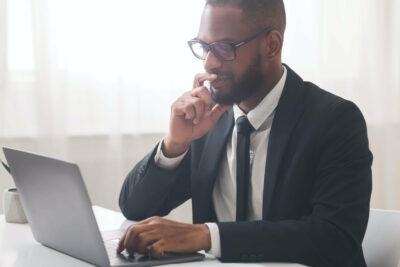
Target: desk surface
[[19, 249]]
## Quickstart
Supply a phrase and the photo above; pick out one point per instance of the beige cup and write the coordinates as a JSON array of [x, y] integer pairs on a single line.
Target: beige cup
[[13, 211]]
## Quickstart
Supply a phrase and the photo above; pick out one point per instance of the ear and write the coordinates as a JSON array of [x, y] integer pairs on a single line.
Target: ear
[[271, 45]]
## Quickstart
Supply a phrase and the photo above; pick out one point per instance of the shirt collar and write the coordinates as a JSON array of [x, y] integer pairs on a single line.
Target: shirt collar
[[266, 107]]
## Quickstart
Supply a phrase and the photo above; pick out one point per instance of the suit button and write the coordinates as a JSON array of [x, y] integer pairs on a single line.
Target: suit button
[[141, 171]]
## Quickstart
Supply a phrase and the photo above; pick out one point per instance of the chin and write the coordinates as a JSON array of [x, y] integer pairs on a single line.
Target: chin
[[223, 99]]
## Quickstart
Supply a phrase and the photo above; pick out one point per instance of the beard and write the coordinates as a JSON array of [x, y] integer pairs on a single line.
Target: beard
[[245, 87]]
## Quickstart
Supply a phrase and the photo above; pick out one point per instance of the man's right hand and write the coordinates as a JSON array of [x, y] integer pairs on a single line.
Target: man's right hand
[[192, 116]]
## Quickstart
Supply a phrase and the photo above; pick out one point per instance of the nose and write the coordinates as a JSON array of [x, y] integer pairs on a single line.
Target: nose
[[211, 62]]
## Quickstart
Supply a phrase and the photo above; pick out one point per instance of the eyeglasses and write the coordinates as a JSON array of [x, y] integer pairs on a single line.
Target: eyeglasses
[[223, 50]]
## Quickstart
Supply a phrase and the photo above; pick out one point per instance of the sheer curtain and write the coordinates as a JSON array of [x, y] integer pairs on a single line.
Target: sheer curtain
[[351, 48], [92, 81]]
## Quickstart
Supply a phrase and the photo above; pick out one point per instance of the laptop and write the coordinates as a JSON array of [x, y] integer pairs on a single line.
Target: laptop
[[60, 213]]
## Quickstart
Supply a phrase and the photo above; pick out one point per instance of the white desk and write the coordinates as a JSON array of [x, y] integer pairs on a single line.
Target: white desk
[[19, 249]]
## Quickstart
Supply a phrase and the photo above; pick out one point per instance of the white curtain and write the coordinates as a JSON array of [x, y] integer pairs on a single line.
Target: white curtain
[[95, 67], [351, 48], [92, 80]]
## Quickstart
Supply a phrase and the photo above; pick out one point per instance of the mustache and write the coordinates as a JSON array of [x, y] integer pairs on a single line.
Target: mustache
[[222, 75]]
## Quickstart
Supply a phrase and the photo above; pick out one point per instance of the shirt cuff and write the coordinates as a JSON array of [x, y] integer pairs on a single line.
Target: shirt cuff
[[215, 249], [167, 163]]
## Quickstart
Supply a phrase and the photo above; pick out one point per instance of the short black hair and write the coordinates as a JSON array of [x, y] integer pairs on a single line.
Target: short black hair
[[258, 13]]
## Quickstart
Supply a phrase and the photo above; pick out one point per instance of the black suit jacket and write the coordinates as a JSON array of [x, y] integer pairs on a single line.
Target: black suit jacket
[[316, 192]]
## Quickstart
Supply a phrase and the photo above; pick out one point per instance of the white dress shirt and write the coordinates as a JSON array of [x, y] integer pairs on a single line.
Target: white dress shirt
[[224, 192]]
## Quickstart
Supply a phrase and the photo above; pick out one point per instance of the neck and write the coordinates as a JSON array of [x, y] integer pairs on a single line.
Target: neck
[[273, 77]]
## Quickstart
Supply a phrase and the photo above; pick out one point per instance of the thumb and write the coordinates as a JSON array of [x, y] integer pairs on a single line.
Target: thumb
[[217, 112]]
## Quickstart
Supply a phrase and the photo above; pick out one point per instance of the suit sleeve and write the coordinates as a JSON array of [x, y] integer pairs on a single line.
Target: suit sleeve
[[150, 190], [332, 235]]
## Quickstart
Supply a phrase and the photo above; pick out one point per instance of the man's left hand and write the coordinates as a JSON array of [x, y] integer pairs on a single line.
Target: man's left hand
[[157, 235]]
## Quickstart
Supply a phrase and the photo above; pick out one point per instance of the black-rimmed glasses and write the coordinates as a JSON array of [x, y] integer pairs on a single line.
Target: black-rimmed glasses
[[223, 50]]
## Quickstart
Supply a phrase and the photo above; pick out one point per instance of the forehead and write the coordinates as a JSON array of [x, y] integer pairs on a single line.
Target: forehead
[[221, 22]]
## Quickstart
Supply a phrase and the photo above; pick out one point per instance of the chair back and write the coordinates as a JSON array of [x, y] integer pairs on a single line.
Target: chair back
[[381, 243]]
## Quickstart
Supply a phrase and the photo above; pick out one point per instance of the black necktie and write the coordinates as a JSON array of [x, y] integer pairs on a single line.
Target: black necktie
[[244, 130]]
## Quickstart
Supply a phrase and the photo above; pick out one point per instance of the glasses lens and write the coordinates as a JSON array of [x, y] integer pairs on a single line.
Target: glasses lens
[[198, 50], [225, 51]]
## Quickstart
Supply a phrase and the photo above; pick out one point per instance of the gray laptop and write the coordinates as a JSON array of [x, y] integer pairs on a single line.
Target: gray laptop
[[60, 214]]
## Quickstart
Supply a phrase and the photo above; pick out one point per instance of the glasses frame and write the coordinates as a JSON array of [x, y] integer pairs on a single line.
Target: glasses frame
[[234, 45]]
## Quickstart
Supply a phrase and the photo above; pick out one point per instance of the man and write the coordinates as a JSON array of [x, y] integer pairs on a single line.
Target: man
[[277, 168]]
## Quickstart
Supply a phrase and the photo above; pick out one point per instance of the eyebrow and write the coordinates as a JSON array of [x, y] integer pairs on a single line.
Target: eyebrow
[[219, 40]]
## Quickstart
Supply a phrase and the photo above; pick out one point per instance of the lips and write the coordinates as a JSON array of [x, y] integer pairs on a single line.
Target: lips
[[221, 81]]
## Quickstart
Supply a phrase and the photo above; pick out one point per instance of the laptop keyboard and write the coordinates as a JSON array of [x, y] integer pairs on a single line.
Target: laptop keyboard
[[123, 257]]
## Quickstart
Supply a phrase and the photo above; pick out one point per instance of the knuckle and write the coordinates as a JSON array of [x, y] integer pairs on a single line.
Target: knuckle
[[157, 222], [157, 248], [197, 101], [141, 237], [177, 101], [176, 105], [129, 232], [187, 108], [186, 102], [132, 231], [205, 95], [198, 76], [200, 91], [203, 89]]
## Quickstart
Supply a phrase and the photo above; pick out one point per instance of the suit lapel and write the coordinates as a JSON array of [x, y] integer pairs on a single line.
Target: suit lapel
[[203, 183], [288, 112]]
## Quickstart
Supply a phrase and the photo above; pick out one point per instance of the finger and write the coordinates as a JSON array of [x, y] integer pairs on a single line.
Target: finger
[[131, 236], [199, 108], [144, 240], [129, 242], [157, 249], [189, 111], [121, 245], [204, 95], [183, 108], [200, 78], [177, 108], [217, 112]]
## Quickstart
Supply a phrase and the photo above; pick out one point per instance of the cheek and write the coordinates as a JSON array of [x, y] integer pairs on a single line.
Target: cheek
[[239, 72], [243, 62]]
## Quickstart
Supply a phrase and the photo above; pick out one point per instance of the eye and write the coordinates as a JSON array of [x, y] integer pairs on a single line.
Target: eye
[[225, 50], [199, 49]]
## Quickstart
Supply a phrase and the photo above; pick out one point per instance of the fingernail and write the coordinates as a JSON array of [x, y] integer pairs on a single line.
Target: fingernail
[[195, 121]]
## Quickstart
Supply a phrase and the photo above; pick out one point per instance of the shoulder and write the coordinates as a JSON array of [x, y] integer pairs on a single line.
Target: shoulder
[[320, 99], [322, 103], [317, 103], [338, 123]]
